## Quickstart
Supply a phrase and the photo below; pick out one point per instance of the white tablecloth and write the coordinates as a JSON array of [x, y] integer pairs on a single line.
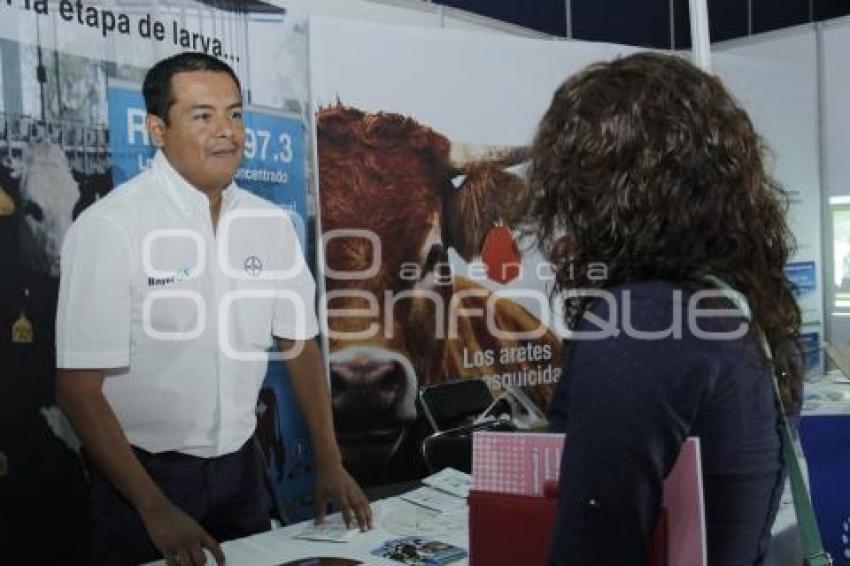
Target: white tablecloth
[[393, 518]]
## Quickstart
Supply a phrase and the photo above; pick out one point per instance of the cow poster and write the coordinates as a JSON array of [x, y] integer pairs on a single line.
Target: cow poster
[[422, 135], [71, 129]]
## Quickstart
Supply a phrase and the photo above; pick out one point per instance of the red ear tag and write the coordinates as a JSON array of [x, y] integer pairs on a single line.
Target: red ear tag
[[500, 255]]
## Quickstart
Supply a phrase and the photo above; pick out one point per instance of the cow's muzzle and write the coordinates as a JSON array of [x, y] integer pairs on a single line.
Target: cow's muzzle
[[374, 392], [368, 394]]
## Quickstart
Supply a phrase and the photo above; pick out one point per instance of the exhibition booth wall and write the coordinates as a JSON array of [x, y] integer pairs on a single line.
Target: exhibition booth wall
[[834, 41], [810, 76]]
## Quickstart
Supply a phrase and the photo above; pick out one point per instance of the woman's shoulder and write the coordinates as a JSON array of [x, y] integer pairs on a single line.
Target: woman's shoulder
[[640, 300], [662, 309], [654, 288]]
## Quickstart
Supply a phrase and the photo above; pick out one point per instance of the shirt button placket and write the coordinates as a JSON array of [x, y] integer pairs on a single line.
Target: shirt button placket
[[219, 287]]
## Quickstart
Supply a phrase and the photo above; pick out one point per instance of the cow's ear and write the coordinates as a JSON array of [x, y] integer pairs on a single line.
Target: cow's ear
[[7, 205], [488, 197]]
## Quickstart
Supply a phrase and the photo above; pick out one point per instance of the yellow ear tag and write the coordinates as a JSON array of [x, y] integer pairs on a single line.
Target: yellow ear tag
[[22, 332], [7, 205]]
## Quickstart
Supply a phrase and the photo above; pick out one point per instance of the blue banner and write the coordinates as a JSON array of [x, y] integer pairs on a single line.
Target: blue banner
[[274, 161], [129, 141], [273, 166], [824, 439], [803, 275], [810, 342]]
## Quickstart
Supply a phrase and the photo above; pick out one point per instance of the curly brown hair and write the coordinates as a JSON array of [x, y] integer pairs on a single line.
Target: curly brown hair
[[650, 167]]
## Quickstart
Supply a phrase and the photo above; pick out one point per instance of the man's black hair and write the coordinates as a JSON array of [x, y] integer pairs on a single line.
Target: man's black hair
[[157, 86]]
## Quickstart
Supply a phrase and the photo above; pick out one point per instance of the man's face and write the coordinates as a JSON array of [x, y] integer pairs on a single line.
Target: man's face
[[203, 139]]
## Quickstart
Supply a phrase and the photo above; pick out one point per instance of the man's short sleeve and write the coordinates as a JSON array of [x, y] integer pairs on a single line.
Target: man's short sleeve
[[93, 314], [295, 308]]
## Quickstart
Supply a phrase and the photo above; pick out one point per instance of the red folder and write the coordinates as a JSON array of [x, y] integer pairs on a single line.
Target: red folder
[[506, 530]]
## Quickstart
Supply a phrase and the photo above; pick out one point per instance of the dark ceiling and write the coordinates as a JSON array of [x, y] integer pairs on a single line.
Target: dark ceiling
[[647, 22]]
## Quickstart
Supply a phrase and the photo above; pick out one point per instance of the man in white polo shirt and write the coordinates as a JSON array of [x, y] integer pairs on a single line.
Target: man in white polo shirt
[[172, 290]]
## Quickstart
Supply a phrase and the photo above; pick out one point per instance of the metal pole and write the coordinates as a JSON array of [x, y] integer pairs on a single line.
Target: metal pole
[[672, 25], [568, 6], [749, 17], [700, 39], [827, 244]]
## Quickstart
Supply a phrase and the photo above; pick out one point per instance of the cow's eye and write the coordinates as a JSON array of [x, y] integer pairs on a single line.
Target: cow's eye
[[437, 254]]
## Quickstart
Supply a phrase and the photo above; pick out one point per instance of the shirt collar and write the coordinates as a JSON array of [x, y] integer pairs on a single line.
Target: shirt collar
[[186, 195]]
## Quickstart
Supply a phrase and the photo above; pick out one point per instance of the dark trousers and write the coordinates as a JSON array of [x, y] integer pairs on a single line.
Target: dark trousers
[[224, 494]]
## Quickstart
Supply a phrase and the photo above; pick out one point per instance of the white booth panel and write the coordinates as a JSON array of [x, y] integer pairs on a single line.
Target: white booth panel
[[774, 76], [836, 106]]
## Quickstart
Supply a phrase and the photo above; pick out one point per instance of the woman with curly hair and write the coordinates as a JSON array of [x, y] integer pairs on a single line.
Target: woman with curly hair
[[651, 169]]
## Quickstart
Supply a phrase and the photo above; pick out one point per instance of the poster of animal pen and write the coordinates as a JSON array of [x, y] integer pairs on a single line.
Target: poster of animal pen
[[71, 129], [422, 139]]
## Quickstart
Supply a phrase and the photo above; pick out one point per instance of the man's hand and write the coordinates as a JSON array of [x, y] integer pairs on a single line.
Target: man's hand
[[178, 537], [334, 484], [306, 376]]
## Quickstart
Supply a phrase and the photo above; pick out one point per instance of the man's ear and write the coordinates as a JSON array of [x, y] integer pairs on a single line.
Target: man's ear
[[156, 127]]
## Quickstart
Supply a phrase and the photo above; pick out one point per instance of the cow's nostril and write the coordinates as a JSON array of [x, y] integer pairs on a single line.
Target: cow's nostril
[[389, 382], [369, 394], [339, 383], [361, 371]]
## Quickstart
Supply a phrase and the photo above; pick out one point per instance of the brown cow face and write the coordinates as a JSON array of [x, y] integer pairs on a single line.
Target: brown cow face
[[387, 201], [386, 335]]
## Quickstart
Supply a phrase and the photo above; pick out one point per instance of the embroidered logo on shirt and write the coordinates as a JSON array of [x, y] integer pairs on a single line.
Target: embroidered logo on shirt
[[253, 265], [180, 275]]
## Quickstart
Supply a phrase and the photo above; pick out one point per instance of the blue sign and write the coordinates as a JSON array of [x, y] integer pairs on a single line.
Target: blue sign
[[803, 275], [274, 161], [810, 342], [825, 439], [129, 141]]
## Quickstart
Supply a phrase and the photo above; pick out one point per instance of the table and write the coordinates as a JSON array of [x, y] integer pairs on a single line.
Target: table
[[393, 518]]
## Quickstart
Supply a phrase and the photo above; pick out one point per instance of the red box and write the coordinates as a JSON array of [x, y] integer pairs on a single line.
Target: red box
[[506, 530]]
